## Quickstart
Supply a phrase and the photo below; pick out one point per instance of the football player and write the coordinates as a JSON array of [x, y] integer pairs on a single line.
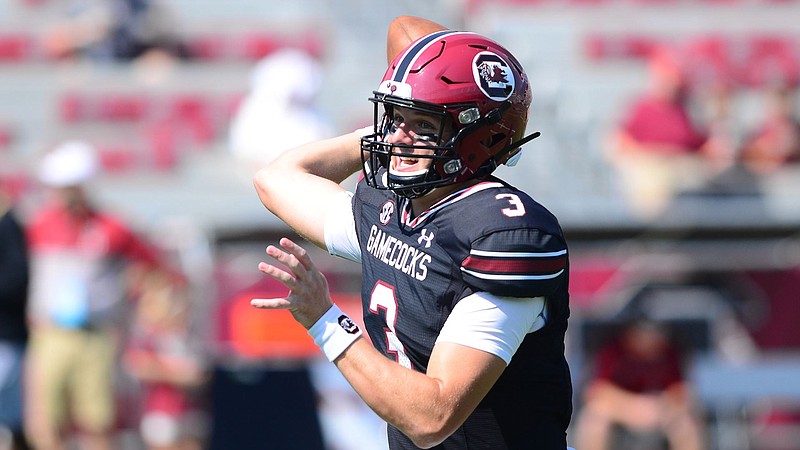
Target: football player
[[464, 277]]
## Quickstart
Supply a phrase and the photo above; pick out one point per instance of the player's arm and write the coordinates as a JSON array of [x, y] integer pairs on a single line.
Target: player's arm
[[427, 407], [301, 183], [475, 345]]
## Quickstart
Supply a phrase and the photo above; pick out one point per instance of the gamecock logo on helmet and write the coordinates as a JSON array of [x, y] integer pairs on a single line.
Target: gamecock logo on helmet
[[493, 76]]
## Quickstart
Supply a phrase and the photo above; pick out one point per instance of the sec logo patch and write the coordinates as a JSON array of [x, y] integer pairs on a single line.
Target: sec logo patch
[[387, 210]]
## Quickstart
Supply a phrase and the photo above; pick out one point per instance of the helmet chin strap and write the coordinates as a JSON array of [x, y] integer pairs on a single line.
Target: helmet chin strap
[[409, 191], [412, 192]]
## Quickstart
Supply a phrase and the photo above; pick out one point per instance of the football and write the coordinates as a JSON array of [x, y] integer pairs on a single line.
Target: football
[[404, 30]]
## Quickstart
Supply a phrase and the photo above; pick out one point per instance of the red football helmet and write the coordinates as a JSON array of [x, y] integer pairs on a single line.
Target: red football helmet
[[475, 85]]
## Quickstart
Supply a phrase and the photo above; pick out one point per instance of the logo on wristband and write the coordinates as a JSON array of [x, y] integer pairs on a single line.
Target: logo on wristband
[[347, 324]]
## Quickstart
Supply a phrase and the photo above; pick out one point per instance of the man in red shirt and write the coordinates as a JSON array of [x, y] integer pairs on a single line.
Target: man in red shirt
[[80, 262], [638, 384], [658, 150]]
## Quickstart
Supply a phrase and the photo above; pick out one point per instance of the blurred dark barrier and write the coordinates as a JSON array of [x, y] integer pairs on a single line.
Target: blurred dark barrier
[[263, 408]]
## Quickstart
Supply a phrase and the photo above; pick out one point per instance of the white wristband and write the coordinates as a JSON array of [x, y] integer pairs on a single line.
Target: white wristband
[[334, 332]]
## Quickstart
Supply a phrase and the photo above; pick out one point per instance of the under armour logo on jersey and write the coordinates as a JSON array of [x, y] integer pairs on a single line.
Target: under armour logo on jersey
[[425, 237], [386, 212]]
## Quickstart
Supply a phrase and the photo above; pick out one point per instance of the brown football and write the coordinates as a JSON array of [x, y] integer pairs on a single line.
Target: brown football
[[404, 30]]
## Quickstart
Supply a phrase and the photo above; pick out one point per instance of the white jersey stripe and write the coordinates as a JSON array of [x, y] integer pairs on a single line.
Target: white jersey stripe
[[487, 276], [517, 254]]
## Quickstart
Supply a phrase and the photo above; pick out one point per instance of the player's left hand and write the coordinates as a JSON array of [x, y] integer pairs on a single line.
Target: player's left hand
[[309, 297]]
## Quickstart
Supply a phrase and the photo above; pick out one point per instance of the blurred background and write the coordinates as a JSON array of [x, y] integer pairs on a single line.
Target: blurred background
[[669, 151]]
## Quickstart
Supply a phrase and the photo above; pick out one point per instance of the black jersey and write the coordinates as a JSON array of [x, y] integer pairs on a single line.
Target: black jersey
[[491, 238]]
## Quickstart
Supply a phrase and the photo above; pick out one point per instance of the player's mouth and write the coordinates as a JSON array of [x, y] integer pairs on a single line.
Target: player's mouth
[[408, 165], [404, 164]]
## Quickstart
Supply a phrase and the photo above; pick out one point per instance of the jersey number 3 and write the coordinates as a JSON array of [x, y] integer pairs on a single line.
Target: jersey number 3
[[517, 209], [383, 297]]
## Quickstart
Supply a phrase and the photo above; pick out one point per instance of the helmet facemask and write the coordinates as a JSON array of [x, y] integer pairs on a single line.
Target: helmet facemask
[[378, 155]]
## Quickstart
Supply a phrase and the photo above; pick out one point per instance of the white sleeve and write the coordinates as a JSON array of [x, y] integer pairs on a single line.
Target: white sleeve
[[340, 228], [494, 324]]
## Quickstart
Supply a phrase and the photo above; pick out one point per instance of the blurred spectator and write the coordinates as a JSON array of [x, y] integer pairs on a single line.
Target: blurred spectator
[[80, 261], [169, 364], [13, 327], [279, 108], [776, 142], [727, 177], [639, 387], [774, 145], [722, 125], [114, 30], [658, 150]]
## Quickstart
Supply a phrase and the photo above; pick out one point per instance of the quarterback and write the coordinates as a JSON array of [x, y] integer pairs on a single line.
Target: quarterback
[[464, 286]]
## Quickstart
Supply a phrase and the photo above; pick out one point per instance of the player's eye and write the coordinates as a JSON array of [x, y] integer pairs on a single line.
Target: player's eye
[[425, 131], [424, 125]]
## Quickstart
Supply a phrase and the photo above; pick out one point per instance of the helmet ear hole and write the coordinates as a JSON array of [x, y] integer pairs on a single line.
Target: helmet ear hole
[[494, 140]]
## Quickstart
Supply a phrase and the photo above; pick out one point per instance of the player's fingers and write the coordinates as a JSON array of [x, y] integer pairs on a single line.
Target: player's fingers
[[288, 259], [279, 275], [298, 252], [270, 303]]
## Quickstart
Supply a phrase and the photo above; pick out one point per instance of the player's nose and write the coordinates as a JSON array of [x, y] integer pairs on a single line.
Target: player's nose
[[400, 134]]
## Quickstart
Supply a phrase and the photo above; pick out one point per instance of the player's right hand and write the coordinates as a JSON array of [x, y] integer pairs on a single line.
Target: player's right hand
[[308, 298]]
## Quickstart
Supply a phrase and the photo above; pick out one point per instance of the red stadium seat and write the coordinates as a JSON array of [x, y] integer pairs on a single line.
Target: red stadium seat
[[194, 115], [187, 105], [256, 46], [117, 158], [15, 47], [108, 106], [15, 184], [473, 7], [655, 2], [313, 43], [6, 136], [588, 2], [595, 278], [710, 60], [251, 46], [163, 145], [771, 59], [122, 107], [72, 107], [628, 46], [207, 47], [722, 2]]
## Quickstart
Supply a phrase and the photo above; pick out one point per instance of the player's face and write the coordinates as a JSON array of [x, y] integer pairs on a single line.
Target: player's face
[[417, 128]]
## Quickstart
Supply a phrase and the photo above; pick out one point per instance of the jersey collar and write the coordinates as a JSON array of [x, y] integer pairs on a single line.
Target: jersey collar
[[456, 196]]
